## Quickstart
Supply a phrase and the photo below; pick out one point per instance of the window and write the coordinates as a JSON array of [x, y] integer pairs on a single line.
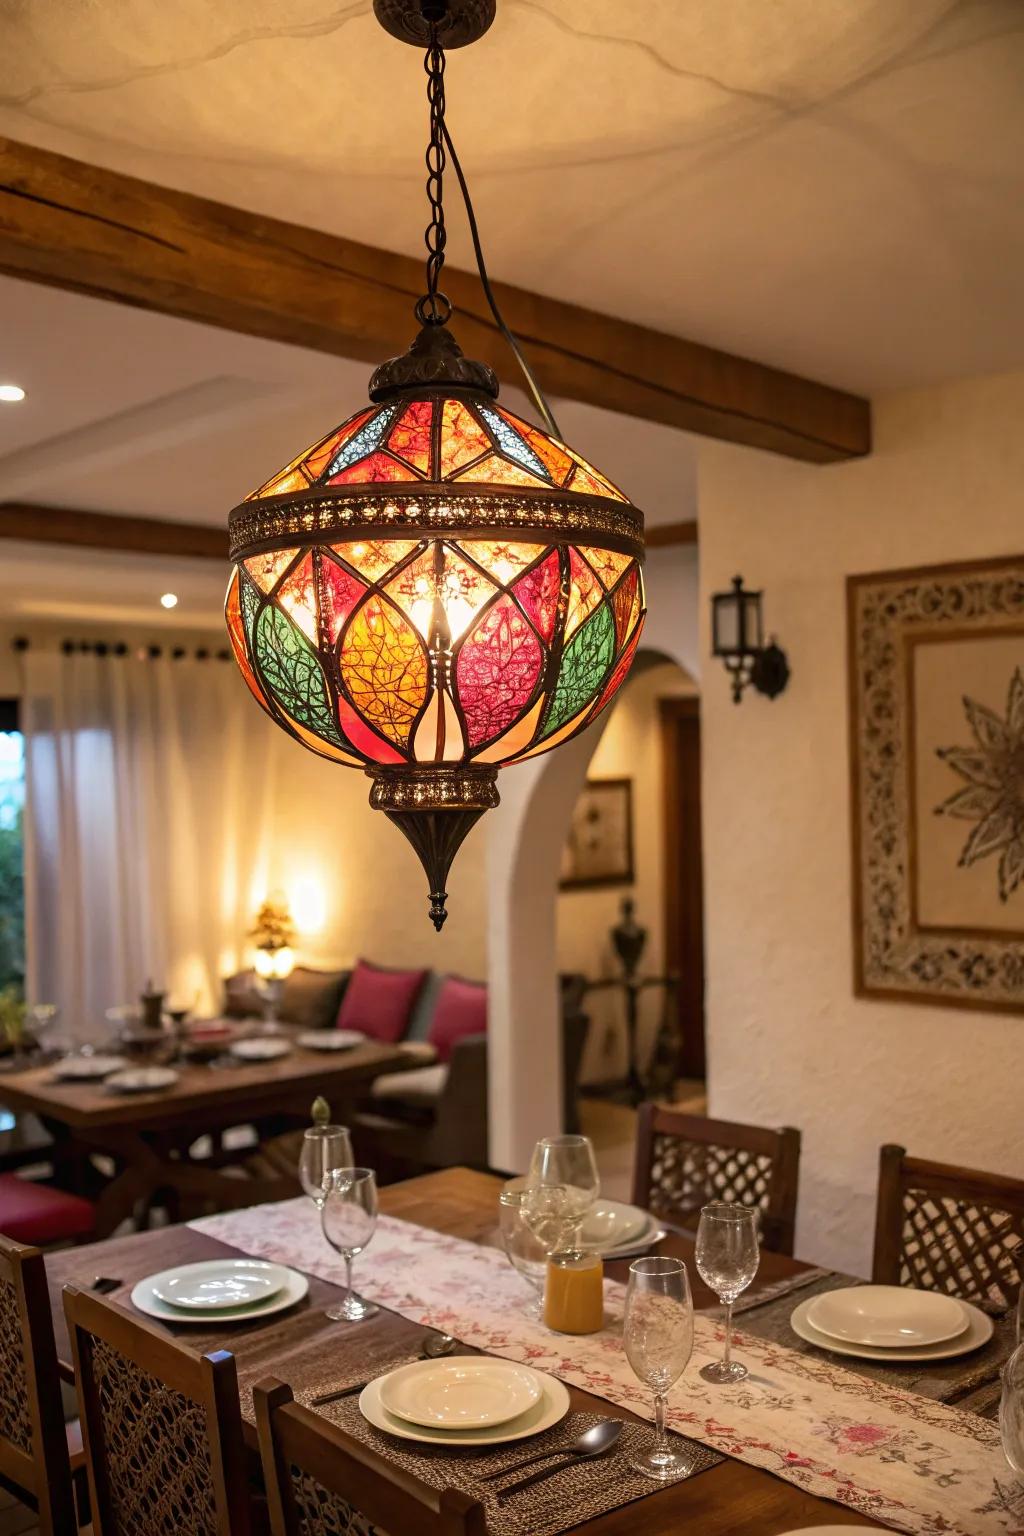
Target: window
[[12, 876]]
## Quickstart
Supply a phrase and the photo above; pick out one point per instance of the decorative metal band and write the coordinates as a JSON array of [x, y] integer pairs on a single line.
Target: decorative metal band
[[349, 513], [428, 788]]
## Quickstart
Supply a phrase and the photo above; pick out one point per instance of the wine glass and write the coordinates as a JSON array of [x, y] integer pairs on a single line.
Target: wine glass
[[568, 1164], [523, 1247], [324, 1148], [658, 1338], [727, 1257], [1011, 1411], [349, 1216]]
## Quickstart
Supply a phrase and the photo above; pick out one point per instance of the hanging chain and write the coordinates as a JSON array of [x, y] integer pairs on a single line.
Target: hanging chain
[[434, 308]]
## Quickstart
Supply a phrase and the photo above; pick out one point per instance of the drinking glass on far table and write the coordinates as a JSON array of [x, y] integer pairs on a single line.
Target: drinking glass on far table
[[324, 1148], [658, 1338], [349, 1218], [523, 1248], [1011, 1412], [568, 1164], [727, 1258]]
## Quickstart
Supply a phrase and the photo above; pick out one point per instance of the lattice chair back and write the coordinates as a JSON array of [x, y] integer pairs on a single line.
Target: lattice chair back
[[161, 1426], [948, 1229], [33, 1445], [684, 1162], [322, 1482]]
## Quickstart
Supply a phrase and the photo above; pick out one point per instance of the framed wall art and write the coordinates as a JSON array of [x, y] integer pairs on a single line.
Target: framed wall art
[[936, 690], [599, 848]]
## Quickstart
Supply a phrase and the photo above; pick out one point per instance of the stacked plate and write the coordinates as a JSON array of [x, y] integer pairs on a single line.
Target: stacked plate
[[617, 1231], [891, 1323], [330, 1039], [220, 1290], [474, 1400]]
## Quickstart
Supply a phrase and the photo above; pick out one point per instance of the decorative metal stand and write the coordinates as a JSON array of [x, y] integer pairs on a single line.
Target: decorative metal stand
[[629, 939]]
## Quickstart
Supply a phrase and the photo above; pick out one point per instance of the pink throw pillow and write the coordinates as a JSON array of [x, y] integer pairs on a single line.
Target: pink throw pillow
[[461, 1010], [379, 1002]]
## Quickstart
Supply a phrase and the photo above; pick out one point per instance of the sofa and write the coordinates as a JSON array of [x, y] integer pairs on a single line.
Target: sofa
[[433, 1115]]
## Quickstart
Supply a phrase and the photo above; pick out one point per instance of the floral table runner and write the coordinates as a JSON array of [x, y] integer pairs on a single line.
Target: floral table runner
[[910, 1463]]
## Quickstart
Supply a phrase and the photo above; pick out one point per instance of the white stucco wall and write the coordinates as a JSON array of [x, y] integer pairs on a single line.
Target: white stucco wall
[[788, 1042]]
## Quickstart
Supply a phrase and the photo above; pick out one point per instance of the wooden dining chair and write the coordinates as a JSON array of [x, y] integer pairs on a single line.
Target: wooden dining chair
[[161, 1426], [35, 1460], [322, 1482], [942, 1228], [683, 1162]]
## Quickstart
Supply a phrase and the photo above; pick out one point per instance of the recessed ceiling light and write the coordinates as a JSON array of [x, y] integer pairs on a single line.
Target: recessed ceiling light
[[169, 600], [11, 393]]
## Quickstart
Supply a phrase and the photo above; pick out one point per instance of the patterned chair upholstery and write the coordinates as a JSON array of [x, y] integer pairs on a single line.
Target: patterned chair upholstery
[[948, 1229], [162, 1428], [684, 1162], [322, 1482]]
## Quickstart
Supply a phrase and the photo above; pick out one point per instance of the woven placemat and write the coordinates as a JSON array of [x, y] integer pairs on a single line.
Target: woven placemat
[[583, 1490]]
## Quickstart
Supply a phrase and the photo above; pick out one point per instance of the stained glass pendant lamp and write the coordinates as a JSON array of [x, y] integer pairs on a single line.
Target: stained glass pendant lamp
[[437, 588]]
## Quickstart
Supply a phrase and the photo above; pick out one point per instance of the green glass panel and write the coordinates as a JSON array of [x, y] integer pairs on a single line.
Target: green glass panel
[[584, 666], [293, 674], [250, 602]]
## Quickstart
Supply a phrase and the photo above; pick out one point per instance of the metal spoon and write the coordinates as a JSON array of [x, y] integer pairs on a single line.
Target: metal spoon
[[600, 1437], [435, 1345]]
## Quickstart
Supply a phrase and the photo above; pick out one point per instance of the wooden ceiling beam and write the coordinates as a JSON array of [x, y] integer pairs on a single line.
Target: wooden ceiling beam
[[103, 530], [94, 231]]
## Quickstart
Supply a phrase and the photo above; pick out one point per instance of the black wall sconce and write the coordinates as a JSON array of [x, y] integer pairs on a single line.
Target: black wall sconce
[[737, 638]]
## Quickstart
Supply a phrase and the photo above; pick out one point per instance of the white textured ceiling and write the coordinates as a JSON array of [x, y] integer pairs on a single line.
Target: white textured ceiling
[[832, 186]]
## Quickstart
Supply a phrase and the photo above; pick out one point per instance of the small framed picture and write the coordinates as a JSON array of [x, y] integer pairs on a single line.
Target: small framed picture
[[599, 848]]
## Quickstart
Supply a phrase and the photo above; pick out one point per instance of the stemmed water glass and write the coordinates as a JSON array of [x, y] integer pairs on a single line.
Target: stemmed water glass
[[523, 1247], [1011, 1411], [658, 1339], [349, 1218], [566, 1164], [324, 1148], [727, 1258]]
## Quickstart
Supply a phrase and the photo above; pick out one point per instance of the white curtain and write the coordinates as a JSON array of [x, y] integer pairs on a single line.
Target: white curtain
[[149, 785]]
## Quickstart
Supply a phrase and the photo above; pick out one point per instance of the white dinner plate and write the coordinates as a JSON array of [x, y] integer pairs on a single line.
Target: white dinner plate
[[887, 1316], [265, 1048], [611, 1224], [829, 1530], [977, 1332], [218, 1285], [550, 1409], [468, 1393], [330, 1039], [86, 1069], [143, 1297], [142, 1080], [639, 1245]]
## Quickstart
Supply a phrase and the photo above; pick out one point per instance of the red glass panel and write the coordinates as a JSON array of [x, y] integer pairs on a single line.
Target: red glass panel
[[339, 593], [623, 601], [411, 438], [378, 469], [497, 671], [361, 739], [538, 591], [584, 592], [297, 595], [494, 470], [462, 438], [384, 668], [266, 569]]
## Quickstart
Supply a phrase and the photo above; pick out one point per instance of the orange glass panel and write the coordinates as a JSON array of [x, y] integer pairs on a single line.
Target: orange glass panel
[[236, 634], [300, 458], [440, 572], [433, 746], [508, 747], [317, 461], [324, 748], [495, 470], [267, 568], [588, 482], [297, 595], [339, 593], [384, 668], [287, 480], [585, 592], [378, 469], [411, 437], [462, 438], [625, 606], [503, 559], [555, 739], [558, 462], [608, 564], [373, 558]]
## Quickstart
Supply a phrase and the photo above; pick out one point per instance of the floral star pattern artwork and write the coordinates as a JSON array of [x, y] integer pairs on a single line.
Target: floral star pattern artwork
[[993, 795]]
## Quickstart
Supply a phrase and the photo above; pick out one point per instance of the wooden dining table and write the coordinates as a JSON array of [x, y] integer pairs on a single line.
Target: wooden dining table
[[730, 1499], [150, 1137]]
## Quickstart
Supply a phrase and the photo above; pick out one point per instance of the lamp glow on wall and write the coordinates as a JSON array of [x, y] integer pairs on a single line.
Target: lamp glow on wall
[[737, 639], [437, 588], [273, 957]]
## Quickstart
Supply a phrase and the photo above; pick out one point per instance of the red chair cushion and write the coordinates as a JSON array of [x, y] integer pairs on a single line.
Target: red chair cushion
[[461, 1010], [379, 1002], [36, 1214]]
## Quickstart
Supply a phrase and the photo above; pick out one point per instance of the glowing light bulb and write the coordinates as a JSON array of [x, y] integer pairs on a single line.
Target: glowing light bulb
[[11, 393], [169, 600]]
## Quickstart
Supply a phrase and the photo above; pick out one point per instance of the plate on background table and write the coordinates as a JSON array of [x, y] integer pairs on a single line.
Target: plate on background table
[[143, 1297], [266, 1048], [550, 1409], [141, 1080], [219, 1285], [612, 1224], [887, 1316], [978, 1331], [88, 1069], [330, 1039], [472, 1393]]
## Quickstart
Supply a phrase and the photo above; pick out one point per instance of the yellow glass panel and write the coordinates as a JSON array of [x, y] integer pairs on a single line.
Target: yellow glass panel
[[498, 471], [452, 744], [374, 558], [507, 747], [384, 667], [323, 748], [298, 597], [556, 738], [608, 564], [503, 559], [440, 572], [462, 438], [585, 593], [267, 568]]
